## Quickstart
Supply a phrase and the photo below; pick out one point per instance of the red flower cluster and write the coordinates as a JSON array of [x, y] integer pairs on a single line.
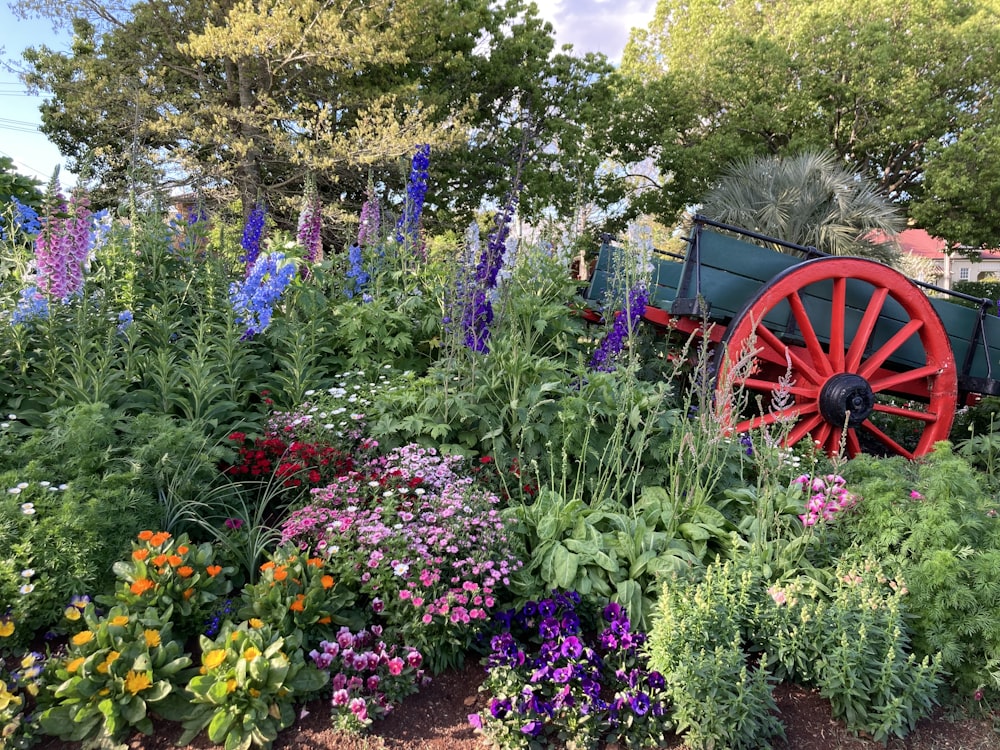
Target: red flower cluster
[[296, 463], [501, 481]]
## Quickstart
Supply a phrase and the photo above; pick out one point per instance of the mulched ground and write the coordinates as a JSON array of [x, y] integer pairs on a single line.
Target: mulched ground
[[437, 719]]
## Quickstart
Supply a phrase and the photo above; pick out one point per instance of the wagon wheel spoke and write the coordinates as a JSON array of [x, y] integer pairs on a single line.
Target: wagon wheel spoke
[[804, 427], [838, 308], [814, 347], [773, 386], [766, 420], [894, 381], [800, 365], [853, 444], [865, 329], [889, 347], [886, 440], [822, 436], [899, 411]]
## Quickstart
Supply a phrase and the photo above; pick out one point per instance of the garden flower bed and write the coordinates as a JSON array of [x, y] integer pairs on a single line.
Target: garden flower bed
[[286, 515]]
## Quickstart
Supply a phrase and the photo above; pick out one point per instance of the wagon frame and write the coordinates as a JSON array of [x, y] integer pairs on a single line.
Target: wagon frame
[[852, 341]]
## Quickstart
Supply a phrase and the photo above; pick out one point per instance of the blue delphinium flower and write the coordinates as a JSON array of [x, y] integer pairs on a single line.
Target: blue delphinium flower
[[416, 190], [355, 271], [478, 314], [31, 305], [253, 299], [603, 359], [124, 321], [24, 219], [253, 231]]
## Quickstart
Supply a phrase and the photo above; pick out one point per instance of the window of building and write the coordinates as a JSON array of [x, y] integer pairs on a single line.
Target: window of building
[[963, 274]]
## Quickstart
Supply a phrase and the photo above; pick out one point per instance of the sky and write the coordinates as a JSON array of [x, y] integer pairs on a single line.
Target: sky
[[589, 25]]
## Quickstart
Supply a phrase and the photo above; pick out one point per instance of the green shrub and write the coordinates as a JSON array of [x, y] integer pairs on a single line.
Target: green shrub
[[932, 524], [67, 536], [697, 642]]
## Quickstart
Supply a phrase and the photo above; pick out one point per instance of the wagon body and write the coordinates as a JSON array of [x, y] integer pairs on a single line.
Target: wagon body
[[825, 318]]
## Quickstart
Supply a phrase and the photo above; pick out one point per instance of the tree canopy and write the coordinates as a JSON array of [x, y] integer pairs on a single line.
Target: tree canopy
[[891, 87], [240, 97]]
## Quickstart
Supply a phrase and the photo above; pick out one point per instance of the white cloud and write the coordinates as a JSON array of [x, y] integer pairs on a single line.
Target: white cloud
[[596, 25]]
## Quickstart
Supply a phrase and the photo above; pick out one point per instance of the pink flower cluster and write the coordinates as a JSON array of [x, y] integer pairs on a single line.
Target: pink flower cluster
[[827, 496], [368, 677], [422, 543], [62, 247]]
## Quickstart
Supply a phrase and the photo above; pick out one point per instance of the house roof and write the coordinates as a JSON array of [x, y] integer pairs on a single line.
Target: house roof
[[918, 242]]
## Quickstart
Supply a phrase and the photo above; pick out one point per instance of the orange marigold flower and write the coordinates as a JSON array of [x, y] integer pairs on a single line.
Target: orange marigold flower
[[230, 684], [188, 593], [185, 571], [214, 658], [160, 561], [145, 535], [140, 554], [325, 620], [327, 582], [182, 550], [299, 605], [137, 681], [159, 538], [74, 665], [213, 570], [268, 565], [316, 562], [84, 636], [174, 560], [141, 586], [280, 573]]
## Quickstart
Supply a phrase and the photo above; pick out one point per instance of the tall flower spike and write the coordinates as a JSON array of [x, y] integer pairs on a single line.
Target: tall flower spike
[[253, 299], [408, 226], [603, 359], [252, 234], [310, 229], [478, 314], [370, 219]]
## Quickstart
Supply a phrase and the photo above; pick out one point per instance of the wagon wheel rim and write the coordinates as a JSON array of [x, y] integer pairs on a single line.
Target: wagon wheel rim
[[841, 383]]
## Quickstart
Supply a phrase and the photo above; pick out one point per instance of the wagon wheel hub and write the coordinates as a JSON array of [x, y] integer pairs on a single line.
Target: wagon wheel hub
[[846, 396]]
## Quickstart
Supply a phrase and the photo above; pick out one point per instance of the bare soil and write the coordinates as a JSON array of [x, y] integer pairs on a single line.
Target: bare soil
[[437, 719]]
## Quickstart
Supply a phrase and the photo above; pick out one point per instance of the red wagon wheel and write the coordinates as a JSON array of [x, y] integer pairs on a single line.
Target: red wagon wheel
[[881, 363]]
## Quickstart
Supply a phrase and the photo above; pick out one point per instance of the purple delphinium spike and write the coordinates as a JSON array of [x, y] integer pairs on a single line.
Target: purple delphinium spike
[[603, 359], [408, 226], [252, 234], [478, 313]]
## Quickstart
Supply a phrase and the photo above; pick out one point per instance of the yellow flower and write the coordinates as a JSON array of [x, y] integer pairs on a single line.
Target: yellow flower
[[137, 681], [256, 623], [119, 621], [152, 638], [74, 665], [104, 691], [7, 698], [84, 636], [6, 628], [106, 664], [214, 658], [251, 653], [230, 685], [71, 613]]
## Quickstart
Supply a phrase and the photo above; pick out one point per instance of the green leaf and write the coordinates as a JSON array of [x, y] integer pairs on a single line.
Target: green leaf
[[564, 567], [220, 724]]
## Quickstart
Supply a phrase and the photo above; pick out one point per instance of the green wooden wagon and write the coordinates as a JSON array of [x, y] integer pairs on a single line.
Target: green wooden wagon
[[866, 359]]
